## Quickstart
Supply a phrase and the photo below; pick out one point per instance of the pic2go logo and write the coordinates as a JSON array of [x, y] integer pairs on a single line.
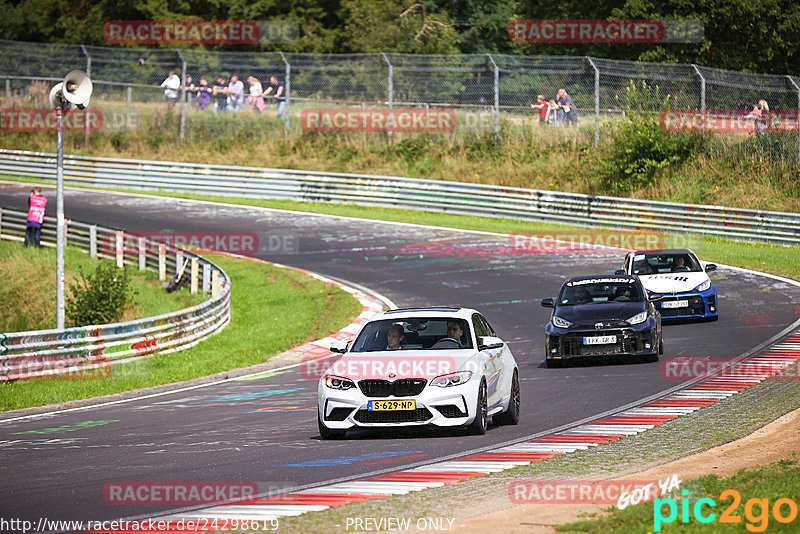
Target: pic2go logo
[[784, 511]]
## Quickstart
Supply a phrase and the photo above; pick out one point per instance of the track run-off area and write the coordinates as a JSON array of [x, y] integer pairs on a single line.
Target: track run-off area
[[264, 430]]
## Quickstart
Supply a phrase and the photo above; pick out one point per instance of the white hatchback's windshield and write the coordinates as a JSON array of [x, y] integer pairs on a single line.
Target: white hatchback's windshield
[[665, 263], [423, 333]]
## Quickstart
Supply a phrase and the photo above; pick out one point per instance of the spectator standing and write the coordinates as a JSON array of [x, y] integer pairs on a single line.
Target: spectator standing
[[280, 94], [569, 112], [553, 111], [171, 86], [220, 91], [760, 115], [542, 106], [255, 99], [236, 90], [190, 87], [203, 94], [36, 207]]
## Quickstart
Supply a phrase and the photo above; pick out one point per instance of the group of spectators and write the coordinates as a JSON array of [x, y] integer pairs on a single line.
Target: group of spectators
[[225, 95], [558, 111]]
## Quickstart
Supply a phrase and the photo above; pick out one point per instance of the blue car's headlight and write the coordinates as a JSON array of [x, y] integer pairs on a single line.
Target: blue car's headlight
[[561, 323], [336, 382], [638, 318], [453, 379], [702, 287]]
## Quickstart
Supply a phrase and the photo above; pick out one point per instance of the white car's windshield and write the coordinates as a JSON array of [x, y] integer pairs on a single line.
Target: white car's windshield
[[600, 292], [665, 263], [438, 333]]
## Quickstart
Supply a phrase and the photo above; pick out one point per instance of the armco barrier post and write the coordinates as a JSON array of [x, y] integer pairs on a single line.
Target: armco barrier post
[[93, 241], [206, 278], [162, 261], [142, 253], [178, 262], [1, 221], [195, 273], [214, 283], [119, 247]]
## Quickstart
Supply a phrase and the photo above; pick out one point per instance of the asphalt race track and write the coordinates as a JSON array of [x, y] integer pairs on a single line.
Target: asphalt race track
[[265, 430]]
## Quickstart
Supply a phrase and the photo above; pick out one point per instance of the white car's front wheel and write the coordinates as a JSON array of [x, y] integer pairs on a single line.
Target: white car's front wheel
[[481, 421], [329, 433]]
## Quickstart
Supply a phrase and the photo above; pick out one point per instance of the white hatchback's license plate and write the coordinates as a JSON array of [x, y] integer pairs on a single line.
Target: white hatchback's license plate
[[599, 340], [675, 304]]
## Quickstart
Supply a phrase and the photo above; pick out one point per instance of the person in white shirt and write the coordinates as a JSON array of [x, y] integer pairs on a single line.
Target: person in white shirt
[[171, 85], [256, 100]]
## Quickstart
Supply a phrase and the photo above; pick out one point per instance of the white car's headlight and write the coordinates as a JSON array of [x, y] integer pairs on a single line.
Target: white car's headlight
[[638, 318], [702, 287], [561, 323], [453, 379], [337, 382]]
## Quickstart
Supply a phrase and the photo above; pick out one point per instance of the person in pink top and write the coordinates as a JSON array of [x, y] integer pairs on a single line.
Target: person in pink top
[[36, 207]]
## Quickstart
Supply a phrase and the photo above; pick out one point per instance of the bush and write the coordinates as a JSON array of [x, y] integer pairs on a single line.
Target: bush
[[100, 297], [638, 147]]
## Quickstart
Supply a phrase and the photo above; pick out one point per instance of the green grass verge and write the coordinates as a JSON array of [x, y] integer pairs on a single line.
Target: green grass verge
[[28, 290], [780, 480], [272, 310]]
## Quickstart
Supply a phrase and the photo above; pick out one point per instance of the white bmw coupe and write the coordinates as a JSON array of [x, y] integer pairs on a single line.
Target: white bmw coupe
[[424, 366]]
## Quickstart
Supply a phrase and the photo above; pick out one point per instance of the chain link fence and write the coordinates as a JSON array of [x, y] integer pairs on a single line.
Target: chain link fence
[[483, 93]]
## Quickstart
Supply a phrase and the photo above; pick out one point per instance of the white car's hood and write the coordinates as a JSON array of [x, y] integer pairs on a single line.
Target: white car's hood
[[398, 364], [672, 282]]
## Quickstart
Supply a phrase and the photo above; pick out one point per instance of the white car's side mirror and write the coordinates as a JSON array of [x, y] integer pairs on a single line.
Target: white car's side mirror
[[340, 346], [489, 342]]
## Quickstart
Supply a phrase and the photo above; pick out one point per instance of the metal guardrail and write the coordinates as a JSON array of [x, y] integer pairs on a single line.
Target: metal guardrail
[[571, 209], [81, 350]]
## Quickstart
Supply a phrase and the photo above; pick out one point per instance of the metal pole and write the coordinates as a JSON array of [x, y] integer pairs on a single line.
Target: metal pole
[[286, 86], [596, 101], [496, 108], [183, 93], [791, 81], [390, 121], [702, 101], [60, 228], [89, 74]]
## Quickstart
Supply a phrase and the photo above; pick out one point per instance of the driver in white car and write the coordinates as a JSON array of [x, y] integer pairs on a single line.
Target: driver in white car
[[454, 331], [395, 337]]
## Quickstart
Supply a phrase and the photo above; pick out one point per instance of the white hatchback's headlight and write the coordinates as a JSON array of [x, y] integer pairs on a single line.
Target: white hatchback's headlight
[[638, 318], [337, 382], [453, 379], [561, 323], [702, 287]]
